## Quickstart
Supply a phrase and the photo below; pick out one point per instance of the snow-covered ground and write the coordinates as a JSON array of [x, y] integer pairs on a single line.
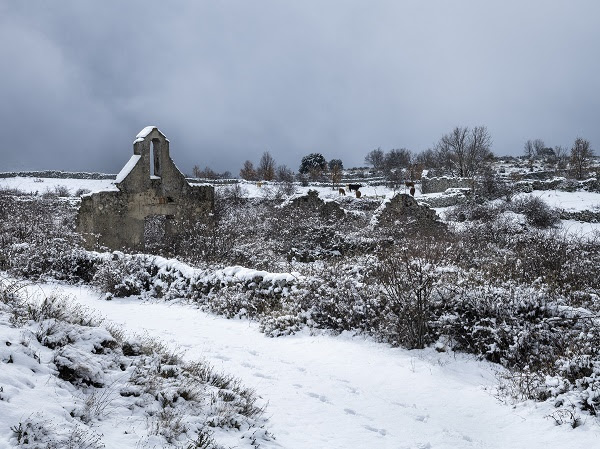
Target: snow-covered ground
[[258, 190], [580, 229], [41, 185], [569, 201], [342, 392], [250, 189]]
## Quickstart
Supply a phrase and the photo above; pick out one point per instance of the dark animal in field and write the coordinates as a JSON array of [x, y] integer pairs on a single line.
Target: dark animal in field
[[354, 187], [412, 191], [342, 192], [358, 194], [409, 183]]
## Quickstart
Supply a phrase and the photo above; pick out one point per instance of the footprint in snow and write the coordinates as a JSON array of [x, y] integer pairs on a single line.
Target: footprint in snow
[[349, 411], [401, 404], [297, 385], [222, 357], [353, 390], [339, 379], [320, 397], [264, 376], [381, 432], [255, 353], [422, 418]]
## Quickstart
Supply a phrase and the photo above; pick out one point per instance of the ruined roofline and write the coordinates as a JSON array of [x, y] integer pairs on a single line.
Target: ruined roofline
[[141, 136], [152, 201]]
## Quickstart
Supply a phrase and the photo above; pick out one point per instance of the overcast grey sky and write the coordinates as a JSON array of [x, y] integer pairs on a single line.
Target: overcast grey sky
[[227, 80]]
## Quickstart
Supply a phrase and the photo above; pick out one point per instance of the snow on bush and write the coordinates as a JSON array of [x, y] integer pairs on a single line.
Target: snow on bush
[[502, 284], [68, 381]]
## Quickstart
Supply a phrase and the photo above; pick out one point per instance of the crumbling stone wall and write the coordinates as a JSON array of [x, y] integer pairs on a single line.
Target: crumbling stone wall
[[404, 209], [149, 186], [442, 183], [311, 201]]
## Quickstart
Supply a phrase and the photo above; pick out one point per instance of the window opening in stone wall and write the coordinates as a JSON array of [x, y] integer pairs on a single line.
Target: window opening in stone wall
[[154, 230], [155, 158], [152, 158]]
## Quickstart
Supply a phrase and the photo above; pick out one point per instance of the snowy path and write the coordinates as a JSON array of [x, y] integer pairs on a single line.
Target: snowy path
[[343, 392]]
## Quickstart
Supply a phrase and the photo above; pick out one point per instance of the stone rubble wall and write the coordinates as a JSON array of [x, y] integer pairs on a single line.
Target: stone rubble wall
[[441, 184]]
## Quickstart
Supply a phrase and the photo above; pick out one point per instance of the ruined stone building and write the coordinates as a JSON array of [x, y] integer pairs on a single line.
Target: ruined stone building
[[151, 200]]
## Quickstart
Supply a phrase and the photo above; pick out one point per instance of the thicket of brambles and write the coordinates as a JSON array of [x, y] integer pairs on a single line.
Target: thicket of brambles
[[499, 281]]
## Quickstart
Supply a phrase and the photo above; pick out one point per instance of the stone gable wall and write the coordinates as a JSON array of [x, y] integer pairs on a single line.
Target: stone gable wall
[[117, 219]]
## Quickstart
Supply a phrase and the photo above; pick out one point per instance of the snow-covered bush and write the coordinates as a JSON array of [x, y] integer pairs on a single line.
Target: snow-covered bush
[[415, 278], [57, 258], [99, 377], [537, 212], [495, 285], [124, 276], [472, 211]]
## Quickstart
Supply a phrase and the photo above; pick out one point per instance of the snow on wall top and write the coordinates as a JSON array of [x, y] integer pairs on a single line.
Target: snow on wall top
[[128, 167], [144, 132], [229, 274]]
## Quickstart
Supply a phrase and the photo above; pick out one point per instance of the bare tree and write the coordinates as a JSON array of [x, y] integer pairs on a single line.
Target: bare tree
[[335, 169], [375, 158], [534, 148], [285, 174], [266, 167], [478, 154], [247, 172], [452, 148], [465, 151], [206, 173], [196, 171], [397, 159], [560, 157], [581, 156]]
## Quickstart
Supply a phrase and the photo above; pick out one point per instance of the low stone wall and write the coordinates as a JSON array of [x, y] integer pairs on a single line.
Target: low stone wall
[[441, 184], [562, 184], [586, 216], [444, 201]]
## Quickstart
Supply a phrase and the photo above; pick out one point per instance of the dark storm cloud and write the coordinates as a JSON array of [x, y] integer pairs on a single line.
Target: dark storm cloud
[[226, 80]]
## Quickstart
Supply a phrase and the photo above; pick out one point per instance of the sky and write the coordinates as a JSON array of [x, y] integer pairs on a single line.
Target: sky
[[226, 80]]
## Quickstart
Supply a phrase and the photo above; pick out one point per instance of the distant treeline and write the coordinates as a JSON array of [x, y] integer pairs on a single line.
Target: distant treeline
[[57, 174]]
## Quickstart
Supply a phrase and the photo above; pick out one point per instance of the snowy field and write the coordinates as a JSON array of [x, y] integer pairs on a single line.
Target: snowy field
[[569, 201], [250, 189], [347, 392], [580, 229], [41, 185]]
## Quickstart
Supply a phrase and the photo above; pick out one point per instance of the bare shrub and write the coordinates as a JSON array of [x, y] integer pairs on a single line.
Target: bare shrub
[[537, 212], [82, 191], [413, 281], [472, 211], [522, 385], [566, 416], [234, 193]]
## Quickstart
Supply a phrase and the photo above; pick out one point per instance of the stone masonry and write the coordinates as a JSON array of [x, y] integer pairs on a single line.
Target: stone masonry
[[151, 202], [442, 183], [404, 209]]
